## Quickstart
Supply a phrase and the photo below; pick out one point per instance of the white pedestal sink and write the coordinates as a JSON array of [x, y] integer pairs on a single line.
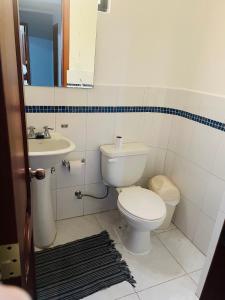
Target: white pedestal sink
[[45, 153]]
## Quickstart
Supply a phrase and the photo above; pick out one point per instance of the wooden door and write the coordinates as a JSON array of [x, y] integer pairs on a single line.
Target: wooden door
[[15, 202], [214, 288]]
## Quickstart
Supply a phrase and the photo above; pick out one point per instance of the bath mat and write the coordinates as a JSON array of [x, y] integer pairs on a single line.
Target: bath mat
[[80, 268]]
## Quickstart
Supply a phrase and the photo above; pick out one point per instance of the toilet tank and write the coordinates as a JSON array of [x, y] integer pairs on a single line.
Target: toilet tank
[[124, 166]]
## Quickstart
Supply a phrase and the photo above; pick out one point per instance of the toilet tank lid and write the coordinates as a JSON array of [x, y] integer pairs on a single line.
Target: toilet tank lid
[[125, 150]]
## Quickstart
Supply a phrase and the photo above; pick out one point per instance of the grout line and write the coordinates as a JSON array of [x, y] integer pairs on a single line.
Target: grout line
[[95, 216], [167, 146], [196, 271], [188, 237], [196, 164], [186, 272], [138, 295], [166, 230], [195, 283], [135, 291], [172, 255], [158, 284], [170, 88], [189, 275], [125, 296]]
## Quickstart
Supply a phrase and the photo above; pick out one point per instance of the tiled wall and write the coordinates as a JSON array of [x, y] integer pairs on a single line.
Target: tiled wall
[[189, 152], [89, 130], [195, 162]]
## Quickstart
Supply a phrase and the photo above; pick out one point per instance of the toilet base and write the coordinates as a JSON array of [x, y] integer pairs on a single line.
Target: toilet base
[[135, 241]]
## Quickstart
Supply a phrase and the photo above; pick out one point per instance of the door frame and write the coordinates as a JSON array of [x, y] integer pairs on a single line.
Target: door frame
[[15, 196]]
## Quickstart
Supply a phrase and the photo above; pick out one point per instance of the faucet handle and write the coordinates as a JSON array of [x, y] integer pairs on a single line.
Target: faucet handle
[[31, 133], [47, 128], [46, 131]]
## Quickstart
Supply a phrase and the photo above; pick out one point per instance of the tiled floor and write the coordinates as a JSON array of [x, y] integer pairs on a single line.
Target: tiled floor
[[170, 272]]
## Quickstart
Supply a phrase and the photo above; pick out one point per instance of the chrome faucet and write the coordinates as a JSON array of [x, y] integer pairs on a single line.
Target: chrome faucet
[[46, 132], [31, 132]]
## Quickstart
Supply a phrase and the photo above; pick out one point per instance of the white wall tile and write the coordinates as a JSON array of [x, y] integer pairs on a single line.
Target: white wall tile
[[39, 120], [143, 182], [102, 96], [92, 169], [92, 205], [203, 232], [180, 135], [219, 164], [155, 162], [129, 126], [68, 205], [190, 179], [175, 98], [155, 96], [76, 130], [195, 181], [202, 147], [131, 96], [213, 107], [213, 196], [186, 217], [35, 95], [70, 96], [192, 102], [156, 129], [196, 143], [65, 178], [177, 171], [100, 130], [169, 163]]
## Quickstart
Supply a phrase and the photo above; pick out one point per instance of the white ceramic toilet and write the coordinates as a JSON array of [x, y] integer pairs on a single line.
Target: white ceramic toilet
[[143, 209]]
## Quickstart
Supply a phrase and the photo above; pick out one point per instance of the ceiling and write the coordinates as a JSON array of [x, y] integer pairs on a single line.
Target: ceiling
[[41, 6]]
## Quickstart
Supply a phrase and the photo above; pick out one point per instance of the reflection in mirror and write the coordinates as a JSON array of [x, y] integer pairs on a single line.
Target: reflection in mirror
[[57, 39]]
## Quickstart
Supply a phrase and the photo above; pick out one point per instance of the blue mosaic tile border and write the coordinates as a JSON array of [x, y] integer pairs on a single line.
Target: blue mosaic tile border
[[124, 109]]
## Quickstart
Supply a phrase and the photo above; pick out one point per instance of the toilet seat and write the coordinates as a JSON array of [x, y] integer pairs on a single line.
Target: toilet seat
[[141, 204]]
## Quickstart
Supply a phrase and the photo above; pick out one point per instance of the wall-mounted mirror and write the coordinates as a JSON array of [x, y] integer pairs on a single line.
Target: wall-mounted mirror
[[57, 40]]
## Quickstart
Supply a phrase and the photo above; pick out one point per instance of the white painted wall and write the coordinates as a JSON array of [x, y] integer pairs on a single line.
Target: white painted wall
[[164, 43]]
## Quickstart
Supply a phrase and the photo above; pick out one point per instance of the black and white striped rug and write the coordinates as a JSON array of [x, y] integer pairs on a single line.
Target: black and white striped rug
[[80, 268]]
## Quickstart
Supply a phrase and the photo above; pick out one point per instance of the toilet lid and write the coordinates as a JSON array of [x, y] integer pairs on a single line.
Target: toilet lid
[[142, 203]]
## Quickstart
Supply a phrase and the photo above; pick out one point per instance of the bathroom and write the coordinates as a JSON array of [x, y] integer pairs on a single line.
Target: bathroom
[[156, 84]]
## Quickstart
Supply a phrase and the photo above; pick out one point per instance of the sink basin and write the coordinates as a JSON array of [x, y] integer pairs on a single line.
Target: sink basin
[[46, 153]]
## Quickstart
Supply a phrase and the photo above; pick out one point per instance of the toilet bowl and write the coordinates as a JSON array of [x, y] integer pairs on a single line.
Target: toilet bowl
[[143, 211]]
